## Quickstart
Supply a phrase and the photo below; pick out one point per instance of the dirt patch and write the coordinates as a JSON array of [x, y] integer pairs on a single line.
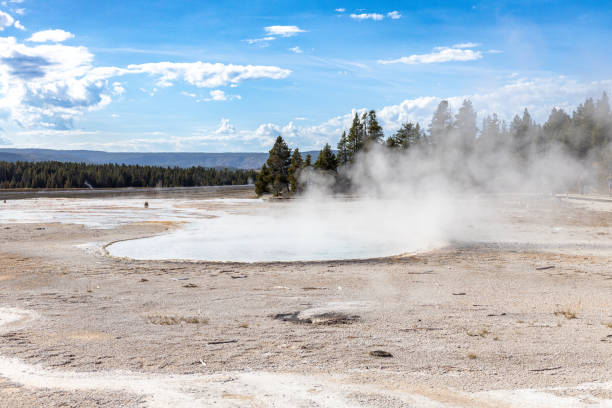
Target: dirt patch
[[322, 319], [169, 320]]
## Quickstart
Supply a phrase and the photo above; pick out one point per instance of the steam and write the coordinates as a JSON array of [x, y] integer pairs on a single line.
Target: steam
[[444, 189]]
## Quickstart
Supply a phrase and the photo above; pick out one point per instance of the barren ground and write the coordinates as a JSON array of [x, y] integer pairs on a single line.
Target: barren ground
[[476, 324]]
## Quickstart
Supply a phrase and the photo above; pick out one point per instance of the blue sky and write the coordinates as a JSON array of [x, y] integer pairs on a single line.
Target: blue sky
[[230, 76]]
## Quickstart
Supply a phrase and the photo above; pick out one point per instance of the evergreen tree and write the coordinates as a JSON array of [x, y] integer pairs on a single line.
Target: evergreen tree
[[343, 155], [326, 160], [441, 124], [355, 138], [262, 181], [408, 135], [294, 171], [465, 124], [373, 131], [558, 127], [523, 134], [307, 161], [278, 164]]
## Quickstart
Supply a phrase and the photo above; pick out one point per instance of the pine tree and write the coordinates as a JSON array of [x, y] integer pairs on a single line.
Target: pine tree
[[326, 160], [355, 138], [342, 150], [408, 135], [262, 181], [373, 131], [441, 124], [523, 132], [278, 163], [465, 123], [307, 161], [294, 171]]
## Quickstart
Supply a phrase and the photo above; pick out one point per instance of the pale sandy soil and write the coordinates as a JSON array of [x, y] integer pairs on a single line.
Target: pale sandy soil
[[474, 324]]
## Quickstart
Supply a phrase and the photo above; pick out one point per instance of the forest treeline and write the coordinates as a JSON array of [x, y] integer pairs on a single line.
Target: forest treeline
[[53, 174], [464, 150]]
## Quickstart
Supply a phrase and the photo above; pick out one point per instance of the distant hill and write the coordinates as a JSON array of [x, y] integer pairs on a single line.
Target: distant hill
[[234, 160]]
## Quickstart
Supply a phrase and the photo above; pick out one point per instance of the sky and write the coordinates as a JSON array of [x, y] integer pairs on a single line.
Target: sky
[[211, 76]]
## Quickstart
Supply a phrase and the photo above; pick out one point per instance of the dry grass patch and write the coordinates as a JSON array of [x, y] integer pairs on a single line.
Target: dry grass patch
[[569, 312], [472, 356], [482, 333], [169, 320]]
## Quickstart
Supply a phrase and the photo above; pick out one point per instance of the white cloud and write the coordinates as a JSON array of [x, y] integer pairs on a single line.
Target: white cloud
[[219, 95], [19, 26], [225, 128], [261, 41], [5, 141], [48, 86], [118, 88], [296, 50], [6, 20], [20, 11], [367, 16], [466, 45], [188, 94], [394, 15], [55, 132], [440, 54], [539, 95], [283, 31], [206, 75], [341, 10], [50, 36]]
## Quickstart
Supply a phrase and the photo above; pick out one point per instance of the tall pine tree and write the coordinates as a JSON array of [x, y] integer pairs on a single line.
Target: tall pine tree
[[294, 171]]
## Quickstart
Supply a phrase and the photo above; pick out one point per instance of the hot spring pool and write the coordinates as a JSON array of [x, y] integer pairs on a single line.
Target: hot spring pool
[[308, 233]]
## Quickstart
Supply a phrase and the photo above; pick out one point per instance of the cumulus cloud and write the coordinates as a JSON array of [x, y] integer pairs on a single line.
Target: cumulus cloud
[[283, 31], [6, 20], [296, 50], [225, 127], [219, 95], [118, 88], [539, 95], [5, 141], [459, 52], [340, 10], [367, 16], [394, 15], [48, 85], [50, 36], [206, 75]]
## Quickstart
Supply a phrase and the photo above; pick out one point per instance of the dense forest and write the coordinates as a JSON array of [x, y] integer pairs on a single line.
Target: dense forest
[[462, 150], [79, 175]]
